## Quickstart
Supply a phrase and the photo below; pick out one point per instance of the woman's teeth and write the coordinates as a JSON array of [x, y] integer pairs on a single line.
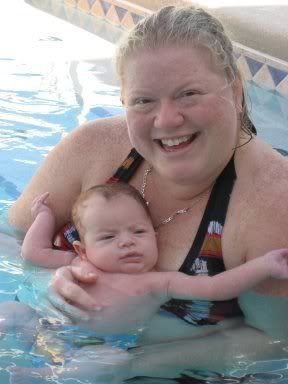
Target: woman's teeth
[[176, 141]]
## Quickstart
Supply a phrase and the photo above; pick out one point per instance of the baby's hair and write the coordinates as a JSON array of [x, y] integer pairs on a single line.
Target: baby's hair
[[108, 191]]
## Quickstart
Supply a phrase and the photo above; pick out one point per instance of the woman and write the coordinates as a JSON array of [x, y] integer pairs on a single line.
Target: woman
[[202, 167]]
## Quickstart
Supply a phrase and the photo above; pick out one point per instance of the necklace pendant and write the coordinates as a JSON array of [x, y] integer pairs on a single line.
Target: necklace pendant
[[177, 213]]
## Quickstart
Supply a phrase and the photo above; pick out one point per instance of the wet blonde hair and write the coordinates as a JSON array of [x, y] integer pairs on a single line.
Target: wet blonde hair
[[173, 25], [108, 191]]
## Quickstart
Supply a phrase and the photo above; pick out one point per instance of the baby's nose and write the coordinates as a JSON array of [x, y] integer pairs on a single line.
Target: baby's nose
[[126, 241]]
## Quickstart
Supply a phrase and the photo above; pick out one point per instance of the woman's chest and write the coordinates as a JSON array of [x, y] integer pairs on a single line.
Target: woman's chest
[[175, 240], [190, 237]]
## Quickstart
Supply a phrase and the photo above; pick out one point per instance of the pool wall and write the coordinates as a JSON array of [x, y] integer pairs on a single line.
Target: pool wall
[[267, 71]]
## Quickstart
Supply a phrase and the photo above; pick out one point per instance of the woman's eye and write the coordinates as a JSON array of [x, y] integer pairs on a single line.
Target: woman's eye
[[189, 93], [139, 102], [142, 101]]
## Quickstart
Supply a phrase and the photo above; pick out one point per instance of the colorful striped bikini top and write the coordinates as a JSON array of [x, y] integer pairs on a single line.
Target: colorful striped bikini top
[[205, 255]]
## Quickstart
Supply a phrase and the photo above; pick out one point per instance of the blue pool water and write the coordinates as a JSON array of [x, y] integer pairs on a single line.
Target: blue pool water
[[50, 82]]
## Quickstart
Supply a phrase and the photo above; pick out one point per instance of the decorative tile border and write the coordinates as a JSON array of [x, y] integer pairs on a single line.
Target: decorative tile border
[[262, 69], [118, 12]]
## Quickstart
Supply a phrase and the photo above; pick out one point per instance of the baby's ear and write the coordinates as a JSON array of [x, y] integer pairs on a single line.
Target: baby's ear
[[80, 249]]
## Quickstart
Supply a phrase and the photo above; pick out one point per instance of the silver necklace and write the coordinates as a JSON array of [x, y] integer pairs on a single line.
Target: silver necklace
[[177, 213]]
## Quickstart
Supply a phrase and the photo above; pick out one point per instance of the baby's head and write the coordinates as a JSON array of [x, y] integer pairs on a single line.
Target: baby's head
[[115, 229]]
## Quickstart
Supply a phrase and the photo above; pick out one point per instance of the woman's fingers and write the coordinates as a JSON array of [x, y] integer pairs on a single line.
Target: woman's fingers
[[63, 310], [64, 285]]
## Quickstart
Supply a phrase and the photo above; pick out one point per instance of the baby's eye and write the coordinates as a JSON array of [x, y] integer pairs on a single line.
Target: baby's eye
[[139, 231], [107, 237]]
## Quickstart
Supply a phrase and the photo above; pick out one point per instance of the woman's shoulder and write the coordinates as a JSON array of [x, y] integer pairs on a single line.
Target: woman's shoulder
[[101, 132], [262, 165], [257, 220], [262, 175], [102, 142], [85, 157]]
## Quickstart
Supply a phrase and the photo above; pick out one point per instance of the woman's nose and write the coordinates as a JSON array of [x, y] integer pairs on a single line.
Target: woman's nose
[[168, 115]]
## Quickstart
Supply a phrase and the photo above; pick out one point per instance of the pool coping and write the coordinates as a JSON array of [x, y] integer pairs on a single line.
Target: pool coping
[[262, 69]]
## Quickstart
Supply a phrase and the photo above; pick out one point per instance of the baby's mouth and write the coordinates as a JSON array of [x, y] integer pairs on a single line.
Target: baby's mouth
[[132, 256]]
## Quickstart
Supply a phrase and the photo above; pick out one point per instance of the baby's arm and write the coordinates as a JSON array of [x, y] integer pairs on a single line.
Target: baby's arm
[[37, 246], [228, 284]]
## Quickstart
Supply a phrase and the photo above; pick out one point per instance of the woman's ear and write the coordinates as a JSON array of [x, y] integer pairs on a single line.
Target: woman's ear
[[80, 249]]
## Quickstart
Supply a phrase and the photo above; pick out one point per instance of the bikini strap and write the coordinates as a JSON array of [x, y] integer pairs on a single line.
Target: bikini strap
[[215, 211], [127, 169]]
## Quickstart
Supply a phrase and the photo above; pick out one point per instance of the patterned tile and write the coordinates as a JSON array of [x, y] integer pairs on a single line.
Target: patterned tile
[[136, 17], [127, 21], [112, 16], [97, 9], [83, 5], [91, 3], [244, 68], [263, 76], [283, 87], [277, 74], [121, 12], [70, 2], [254, 65], [105, 6]]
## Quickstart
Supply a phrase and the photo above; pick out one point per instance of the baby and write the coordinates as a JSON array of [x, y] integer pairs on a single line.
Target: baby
[[118, 238]]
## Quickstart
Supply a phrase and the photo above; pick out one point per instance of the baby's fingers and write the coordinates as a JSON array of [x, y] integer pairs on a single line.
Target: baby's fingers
[[41, 198]]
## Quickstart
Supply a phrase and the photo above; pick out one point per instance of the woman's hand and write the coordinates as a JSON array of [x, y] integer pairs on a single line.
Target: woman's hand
[[66, 295]]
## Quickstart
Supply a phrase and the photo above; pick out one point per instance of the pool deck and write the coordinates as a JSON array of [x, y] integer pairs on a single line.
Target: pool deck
[[258, 29], [259, 24]]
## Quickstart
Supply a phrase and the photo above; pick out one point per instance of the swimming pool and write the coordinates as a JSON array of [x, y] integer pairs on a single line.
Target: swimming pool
[[48, 86]]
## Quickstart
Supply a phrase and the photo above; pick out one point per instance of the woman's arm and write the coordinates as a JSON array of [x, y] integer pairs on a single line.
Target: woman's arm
[[233, 352]]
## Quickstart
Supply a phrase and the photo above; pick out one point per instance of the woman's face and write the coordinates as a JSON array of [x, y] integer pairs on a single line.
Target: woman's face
[[181, 112]]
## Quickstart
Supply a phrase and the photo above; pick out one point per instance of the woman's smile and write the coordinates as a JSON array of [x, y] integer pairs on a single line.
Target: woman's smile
[[178, 143]]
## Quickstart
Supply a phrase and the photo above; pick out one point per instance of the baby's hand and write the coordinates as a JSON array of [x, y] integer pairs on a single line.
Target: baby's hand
[[278, 263], [39, 204]]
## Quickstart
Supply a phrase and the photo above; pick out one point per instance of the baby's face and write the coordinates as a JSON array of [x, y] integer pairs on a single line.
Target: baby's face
[[119, 236]]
